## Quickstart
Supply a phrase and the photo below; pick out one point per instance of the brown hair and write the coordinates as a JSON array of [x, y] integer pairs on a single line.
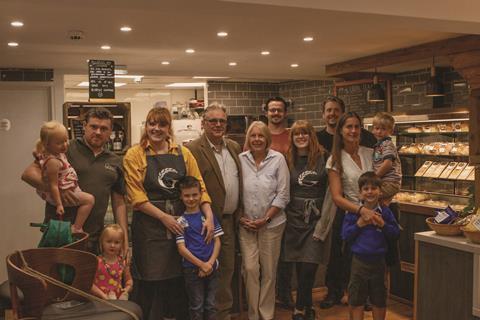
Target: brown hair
[[263, 128], [46, 131], [338, 143], [99, 113], [335, 99], [369, 178], [384, 119], [111, 227], [157, 115], [315, 150]]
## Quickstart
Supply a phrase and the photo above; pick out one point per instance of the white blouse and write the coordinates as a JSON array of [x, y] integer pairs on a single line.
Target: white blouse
[[351, 171]]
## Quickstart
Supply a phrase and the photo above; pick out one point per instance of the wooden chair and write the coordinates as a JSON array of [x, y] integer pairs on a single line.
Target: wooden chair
[[40, 296]]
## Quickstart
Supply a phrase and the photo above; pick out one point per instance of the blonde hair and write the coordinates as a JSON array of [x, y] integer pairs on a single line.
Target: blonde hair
[[111, 227], [315, 150], [263, 128], [384, 119], [160, 115], [47, 130]]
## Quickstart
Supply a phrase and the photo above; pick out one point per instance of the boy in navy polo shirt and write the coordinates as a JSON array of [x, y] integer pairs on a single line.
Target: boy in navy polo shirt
[[199, 258], [368, 241]]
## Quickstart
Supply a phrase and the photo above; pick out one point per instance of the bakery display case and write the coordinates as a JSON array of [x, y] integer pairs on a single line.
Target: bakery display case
[[120, 139], [434, 152]]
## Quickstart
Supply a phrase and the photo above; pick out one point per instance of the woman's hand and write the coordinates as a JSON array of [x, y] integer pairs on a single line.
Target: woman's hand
[[171, 224], [367, 214], [247, 224], [259, 223]]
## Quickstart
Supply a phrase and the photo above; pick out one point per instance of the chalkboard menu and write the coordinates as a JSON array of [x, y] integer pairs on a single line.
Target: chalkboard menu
[[76, 127], [101, 79], [355, 98]]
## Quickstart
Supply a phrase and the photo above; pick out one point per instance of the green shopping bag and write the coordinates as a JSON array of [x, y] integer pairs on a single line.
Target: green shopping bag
[[56, 234]]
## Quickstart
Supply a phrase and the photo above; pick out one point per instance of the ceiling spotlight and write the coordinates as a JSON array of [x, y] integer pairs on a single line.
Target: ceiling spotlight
[[308, 39], [232, 64], [294, 65], [105, 47], [125, 29], [190, 51], [13, 44], [17, 24], [165, 63], [222, 34], [265, 53]]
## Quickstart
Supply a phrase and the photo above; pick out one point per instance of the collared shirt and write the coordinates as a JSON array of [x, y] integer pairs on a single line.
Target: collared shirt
[[135, 167], [351, 171], [265, 186], [383, 150], [230, 176]]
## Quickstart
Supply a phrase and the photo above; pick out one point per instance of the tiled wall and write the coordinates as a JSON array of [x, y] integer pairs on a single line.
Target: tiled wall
[[408, 93]]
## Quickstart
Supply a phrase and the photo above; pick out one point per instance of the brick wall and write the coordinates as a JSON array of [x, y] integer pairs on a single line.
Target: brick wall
[[408, 93]]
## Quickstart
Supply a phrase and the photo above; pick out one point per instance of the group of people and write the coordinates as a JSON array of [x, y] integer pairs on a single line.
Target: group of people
[[288, 198]]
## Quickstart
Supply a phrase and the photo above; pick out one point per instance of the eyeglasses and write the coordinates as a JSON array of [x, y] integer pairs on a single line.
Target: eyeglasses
[[275, 110], [216, 120]]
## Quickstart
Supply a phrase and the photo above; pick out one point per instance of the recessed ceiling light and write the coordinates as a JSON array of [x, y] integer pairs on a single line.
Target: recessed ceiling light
[[222, 34], [232, 64], [106, 47], [308, 39], [294, 65], [125, 29], [190, 51], [13, 44], [17, 24], [165, 63], [265, 53]]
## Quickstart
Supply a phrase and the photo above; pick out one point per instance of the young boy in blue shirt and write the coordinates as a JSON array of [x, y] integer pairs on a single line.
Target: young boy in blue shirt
[[199, 258], [368, 241]]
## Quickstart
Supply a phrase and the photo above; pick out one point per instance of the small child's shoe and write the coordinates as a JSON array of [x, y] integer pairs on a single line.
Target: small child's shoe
[[112, 296]]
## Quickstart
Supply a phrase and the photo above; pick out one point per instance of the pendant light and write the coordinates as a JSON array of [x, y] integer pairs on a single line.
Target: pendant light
[[375, 93], [434, 87]]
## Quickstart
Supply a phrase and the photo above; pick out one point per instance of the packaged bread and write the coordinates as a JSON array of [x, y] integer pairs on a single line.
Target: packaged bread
[[457, 126], [455, 149], [429, 128], [414, 130], [464, 150], [432, 148], [448, 170], [435, 203], [413, 149], [421, 171], [444, 148], [430, 171], [403, 149], [465, 173], [419, 197], [458, 169], [402, 196]]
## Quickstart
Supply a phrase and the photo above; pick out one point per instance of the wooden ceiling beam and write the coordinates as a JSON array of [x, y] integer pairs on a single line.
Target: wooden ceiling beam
[[427, 50]]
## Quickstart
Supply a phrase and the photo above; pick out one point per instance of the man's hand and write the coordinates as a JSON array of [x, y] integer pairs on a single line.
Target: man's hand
[[208, 229], [69, 198]]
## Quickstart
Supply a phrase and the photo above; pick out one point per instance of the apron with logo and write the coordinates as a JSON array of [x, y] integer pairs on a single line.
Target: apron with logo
[[155, 254]]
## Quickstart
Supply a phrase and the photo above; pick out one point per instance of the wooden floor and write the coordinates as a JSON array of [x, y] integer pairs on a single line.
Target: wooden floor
[[395, 311]]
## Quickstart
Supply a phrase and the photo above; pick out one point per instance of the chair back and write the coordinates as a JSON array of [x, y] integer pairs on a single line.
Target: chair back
[[38, 293]]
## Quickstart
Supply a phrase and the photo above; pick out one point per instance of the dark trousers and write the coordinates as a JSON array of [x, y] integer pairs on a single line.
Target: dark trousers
[[305, 278], [338, 268], [201, 294], [159, 299], [284, 279]]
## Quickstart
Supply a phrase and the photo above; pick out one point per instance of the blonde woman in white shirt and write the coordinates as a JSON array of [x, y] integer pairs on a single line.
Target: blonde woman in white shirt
[[266, 192]]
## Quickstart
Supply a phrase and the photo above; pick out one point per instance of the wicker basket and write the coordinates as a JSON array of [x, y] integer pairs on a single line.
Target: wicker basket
[[473, 236], [444, 229]]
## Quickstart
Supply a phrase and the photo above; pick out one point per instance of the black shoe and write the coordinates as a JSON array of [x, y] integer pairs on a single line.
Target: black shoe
[[328, 302], [309, 314], [298, 316], [367, 307]]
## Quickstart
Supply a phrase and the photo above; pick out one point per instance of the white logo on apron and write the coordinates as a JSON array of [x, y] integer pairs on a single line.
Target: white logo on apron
[[306, 178], [167, 178]]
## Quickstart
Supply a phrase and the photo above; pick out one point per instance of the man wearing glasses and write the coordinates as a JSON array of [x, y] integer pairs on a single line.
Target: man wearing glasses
[[217, 159], [276, 109]]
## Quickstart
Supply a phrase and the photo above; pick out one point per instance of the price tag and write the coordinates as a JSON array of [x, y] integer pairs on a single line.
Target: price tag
[[476, 224], [441, 216]]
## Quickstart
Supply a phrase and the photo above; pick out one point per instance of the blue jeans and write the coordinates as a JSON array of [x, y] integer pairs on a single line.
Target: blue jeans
[[201, 294]]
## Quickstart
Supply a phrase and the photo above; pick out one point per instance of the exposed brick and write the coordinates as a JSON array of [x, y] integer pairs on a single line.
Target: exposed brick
[[242, 86], [228, 86]]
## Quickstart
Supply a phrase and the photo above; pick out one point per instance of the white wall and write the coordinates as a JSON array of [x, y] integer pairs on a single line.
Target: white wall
[[27, 106], [141, 101]]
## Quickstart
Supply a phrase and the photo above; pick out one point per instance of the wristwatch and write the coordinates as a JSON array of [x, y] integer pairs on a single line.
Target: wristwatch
[[268, 219]]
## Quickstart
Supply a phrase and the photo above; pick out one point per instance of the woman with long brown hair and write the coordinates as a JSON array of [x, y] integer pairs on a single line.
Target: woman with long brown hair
[[308, 183], [152, 170]]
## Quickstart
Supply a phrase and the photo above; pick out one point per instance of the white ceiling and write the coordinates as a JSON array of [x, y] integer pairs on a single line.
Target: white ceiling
[[162, 30]]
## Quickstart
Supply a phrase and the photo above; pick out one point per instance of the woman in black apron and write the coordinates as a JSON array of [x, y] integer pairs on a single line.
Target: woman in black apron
[[308, 183], [152, 170]]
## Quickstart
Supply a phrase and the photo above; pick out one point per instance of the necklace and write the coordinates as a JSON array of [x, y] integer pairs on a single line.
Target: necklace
[[113, 273]]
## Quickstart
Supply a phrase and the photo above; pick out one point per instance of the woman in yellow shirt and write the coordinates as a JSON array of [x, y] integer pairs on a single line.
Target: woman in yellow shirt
[[152, 170]]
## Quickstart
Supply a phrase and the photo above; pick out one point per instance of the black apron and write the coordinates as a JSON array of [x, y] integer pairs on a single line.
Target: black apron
[[155, 254]]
